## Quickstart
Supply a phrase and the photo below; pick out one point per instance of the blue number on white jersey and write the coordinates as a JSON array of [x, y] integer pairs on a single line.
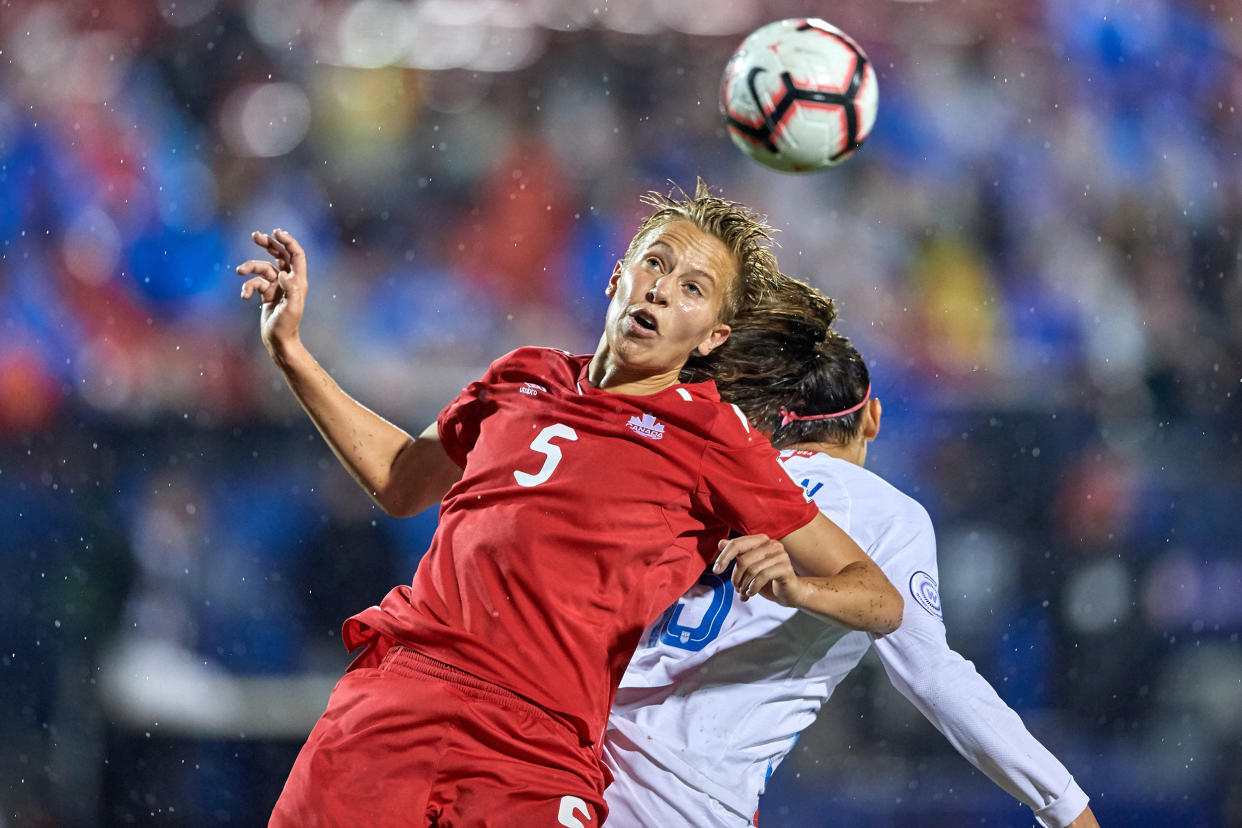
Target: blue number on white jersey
[[668, 630]]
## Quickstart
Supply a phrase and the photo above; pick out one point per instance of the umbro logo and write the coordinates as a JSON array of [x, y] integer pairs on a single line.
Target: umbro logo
[[532, 389], [647, 426]]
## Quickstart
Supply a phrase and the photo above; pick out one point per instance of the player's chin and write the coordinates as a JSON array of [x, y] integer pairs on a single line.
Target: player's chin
[[649, 356]]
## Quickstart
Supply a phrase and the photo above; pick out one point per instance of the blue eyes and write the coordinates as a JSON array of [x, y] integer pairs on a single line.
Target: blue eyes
[[657, 264]]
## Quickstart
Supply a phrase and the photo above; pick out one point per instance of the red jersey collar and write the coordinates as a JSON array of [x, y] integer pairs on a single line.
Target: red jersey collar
[[699, 390]]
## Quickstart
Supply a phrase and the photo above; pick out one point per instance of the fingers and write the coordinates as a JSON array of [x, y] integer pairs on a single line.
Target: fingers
[[257, 268], [758, 561], [732, 548], [273, 247], [296, 256], [265, 279], [748, 581], [284, 276], [284, 249], [268, 291], [760, 567]]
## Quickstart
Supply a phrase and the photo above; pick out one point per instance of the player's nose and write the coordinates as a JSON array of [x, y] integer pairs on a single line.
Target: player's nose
[[657, 293]]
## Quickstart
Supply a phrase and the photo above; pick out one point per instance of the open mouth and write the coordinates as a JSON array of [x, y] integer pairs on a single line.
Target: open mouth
[[644, 320]]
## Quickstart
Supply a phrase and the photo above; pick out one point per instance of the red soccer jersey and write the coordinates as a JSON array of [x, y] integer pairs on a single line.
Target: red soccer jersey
[[580, 516]]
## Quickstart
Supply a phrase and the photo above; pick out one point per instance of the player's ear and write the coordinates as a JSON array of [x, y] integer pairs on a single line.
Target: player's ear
[[714, 339], [612, 280], [871, 419]]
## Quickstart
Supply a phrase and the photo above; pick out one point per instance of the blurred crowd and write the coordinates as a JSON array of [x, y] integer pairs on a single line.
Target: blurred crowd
[[1039, 251]]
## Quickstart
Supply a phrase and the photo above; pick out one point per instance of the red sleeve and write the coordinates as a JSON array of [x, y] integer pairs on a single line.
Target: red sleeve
[[459, 422], [746, 487]]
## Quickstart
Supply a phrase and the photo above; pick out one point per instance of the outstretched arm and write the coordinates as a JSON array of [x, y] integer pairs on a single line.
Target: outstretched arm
[[403, 474], [840, 583], [962, 705]]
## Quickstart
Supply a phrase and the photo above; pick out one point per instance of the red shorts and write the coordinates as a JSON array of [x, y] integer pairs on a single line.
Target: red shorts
[[415, 742]]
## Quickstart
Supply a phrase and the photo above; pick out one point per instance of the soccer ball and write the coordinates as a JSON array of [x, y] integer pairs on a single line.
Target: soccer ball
[[799, 95]]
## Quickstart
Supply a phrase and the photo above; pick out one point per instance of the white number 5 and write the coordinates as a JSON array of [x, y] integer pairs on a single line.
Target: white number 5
[[568, 814], [543, 444]]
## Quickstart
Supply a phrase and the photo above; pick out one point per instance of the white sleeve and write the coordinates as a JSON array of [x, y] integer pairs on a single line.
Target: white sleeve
[[961, 704]]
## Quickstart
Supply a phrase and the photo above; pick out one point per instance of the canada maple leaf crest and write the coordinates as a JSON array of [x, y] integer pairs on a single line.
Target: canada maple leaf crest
[[647, 425]]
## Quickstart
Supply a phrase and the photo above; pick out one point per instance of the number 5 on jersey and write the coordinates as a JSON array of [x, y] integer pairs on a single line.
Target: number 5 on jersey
[[569, 811], [543, 444]]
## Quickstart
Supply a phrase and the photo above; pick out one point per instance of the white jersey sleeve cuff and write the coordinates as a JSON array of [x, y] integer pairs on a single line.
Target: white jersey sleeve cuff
[[1065, 808]]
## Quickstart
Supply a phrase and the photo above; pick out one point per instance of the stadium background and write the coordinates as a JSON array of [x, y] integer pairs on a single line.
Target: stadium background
[[1038, 250]]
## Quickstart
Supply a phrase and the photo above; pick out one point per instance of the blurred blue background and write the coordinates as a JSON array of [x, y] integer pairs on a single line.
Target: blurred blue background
[[1039, 250]]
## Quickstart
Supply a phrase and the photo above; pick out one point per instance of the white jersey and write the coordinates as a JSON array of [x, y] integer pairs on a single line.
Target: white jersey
[[719, 689]]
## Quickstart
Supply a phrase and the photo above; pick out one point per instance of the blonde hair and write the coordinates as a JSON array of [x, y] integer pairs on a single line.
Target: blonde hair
[[743, 232]]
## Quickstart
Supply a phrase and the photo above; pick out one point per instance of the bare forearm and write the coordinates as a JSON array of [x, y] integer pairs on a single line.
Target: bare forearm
[[404, 475], [365, 443], [858, 597], [839, 581], [1084, 820]]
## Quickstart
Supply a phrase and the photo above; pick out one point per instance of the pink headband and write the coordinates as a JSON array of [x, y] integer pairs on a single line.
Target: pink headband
[[788, 416]]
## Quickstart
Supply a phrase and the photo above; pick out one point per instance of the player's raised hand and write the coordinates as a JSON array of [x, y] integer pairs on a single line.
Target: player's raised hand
[[761, 566], [281, 285]]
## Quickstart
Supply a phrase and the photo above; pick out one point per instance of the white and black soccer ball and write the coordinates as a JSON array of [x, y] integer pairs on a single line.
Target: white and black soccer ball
[[799, 95]]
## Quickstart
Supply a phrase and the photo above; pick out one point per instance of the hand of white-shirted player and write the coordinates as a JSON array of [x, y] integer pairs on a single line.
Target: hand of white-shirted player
[[761, 566]]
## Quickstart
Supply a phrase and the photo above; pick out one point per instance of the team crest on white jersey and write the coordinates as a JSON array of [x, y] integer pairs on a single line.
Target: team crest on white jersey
[[926, 593], [531, 388], [647, 426]]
